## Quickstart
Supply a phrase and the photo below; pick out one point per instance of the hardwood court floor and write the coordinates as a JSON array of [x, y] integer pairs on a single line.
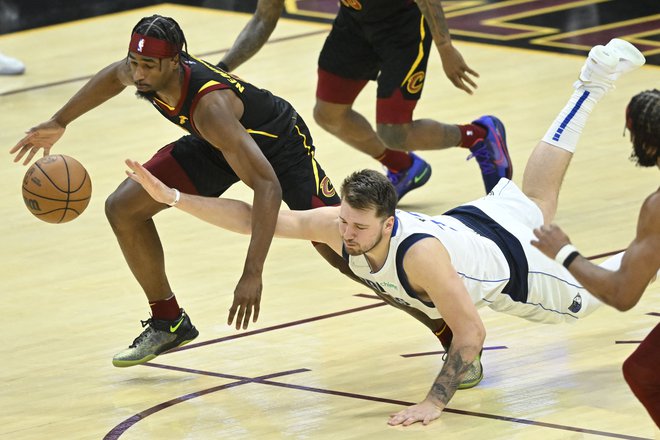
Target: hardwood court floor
[[326, 360]]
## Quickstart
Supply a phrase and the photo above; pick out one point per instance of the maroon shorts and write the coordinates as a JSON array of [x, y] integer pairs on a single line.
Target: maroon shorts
[[642, 372]]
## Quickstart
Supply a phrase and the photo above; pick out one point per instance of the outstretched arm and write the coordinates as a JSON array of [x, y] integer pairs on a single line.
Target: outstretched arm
[[103, 86], [452, 61], [318, 224], [254, 35], [429, 270], [623, 288]]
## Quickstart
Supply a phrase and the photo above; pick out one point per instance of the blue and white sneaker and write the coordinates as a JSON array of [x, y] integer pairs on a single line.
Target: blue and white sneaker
[[414, 177], [492, 153]]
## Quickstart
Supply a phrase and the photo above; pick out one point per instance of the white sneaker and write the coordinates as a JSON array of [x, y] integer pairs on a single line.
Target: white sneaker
[[10, 66], [605, 64]]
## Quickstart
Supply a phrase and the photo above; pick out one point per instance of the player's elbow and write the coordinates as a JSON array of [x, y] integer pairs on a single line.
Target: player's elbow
[[623, 303], [624, 298]]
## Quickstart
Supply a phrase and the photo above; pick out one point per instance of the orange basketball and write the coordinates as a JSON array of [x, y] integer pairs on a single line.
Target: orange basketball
[[56, 188]]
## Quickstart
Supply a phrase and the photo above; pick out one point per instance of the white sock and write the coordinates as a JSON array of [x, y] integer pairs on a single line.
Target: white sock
[[565, 130]]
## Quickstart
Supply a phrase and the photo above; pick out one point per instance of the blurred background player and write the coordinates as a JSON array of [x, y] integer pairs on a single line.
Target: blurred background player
[[388, 41]]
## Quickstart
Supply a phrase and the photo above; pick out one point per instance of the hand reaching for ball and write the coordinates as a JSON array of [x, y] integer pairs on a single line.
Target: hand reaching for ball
[[43, 136], [154, 187]]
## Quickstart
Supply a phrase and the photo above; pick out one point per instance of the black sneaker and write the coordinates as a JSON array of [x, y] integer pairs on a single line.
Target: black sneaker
[[159, 337]]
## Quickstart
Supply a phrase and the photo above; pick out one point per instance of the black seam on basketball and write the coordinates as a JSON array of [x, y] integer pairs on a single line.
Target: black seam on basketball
[[39, 214], [81, 183], [68, 188], [55, 200], [48, 177]]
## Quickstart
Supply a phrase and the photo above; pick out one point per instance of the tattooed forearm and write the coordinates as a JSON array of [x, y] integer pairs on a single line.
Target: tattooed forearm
[[450, 376], [435, 17]]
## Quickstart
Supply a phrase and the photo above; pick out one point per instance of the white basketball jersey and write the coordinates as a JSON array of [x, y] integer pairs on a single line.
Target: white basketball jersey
[[488, 241], [477, 260]]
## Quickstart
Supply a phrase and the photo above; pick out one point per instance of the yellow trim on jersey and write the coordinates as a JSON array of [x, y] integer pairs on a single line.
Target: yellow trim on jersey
[[310, 153], [420, 53], [165, 104], [208, 84], [263, 133], [233, 79]]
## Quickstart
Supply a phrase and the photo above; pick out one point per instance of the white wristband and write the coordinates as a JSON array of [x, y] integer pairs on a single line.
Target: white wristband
[[177, 196], [565, 252]]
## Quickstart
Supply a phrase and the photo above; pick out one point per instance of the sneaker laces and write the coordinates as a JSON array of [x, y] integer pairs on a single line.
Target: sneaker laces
[[143, 334], [483, 157]]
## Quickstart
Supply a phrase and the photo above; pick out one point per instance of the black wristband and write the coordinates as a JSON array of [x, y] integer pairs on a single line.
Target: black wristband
[[572, 256], [223, 66]]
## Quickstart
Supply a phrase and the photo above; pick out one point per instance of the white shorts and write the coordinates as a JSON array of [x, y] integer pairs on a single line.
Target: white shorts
[[554, 295]]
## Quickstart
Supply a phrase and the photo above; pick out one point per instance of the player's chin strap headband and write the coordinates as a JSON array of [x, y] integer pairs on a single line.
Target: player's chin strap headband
[[152, 47]]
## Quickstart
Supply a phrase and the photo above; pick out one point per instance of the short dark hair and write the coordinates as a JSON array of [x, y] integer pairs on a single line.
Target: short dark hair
[[163, 28], [643, 121], [369, 189]]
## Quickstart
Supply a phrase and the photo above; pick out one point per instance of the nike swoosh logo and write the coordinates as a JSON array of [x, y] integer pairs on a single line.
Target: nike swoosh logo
[[176, 327], [418, 178], [499, 152], [500, 158]]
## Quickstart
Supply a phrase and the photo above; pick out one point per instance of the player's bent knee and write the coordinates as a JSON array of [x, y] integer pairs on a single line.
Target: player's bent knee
[[115, 209], [330, 116], [326, 119], [125, 205]]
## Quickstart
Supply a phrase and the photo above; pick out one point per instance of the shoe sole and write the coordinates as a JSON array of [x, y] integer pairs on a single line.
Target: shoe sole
[[131, 363], [627, 53], [471, 384]]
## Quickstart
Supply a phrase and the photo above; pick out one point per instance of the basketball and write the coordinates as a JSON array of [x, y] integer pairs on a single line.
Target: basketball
[[56, 189]]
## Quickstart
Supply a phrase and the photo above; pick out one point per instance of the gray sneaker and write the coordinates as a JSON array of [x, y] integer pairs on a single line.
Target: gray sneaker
[[159, 337], [473, 375]]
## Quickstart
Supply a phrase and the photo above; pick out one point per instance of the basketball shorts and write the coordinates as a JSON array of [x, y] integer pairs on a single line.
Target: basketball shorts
[[554, 295], [194, 166], [394, 52]]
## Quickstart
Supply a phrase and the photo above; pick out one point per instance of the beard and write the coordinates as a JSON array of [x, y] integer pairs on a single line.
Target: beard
[[354, 252], [149, 96]]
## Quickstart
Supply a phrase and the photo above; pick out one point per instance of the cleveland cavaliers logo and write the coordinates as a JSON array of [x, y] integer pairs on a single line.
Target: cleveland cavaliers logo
[[326, 187], [353, 4], [140, 46], [415, 83]]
